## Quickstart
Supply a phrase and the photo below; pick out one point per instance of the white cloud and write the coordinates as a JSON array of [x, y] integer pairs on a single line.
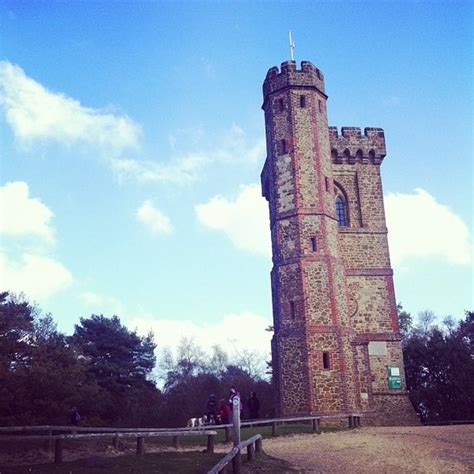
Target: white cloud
[[102, 304], [244, 331], [22, 215], [154, 219], [34, 113], [179, 171], [421, 227], [243, 220], [233, 147], [37, 276]]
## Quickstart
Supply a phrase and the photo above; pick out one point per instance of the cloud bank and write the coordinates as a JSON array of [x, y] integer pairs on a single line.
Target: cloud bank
[[245, 331], [243, 220], [419, 226], [34, 112], [24, 216]]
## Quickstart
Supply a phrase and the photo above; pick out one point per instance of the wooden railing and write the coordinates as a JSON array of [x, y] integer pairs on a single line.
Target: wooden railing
[[140, 436], [253, 445], [57, 435]]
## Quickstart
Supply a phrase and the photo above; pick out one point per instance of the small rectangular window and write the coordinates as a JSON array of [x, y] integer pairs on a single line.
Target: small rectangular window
[[281, 105], [292, 309], [302, 101], [326, 180], [313, 244], [326, 360], [283, 146], [320, 106]]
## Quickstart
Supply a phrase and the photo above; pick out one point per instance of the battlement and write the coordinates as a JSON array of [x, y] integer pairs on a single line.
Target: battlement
[[353, 147], [308, 76]]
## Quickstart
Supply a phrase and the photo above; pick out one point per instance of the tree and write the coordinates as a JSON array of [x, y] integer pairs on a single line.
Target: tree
[[120, 361], [439, 363], [41, 376], [16, 328]]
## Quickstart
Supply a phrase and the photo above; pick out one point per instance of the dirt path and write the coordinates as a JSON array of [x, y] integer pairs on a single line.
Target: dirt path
[[423, 449]]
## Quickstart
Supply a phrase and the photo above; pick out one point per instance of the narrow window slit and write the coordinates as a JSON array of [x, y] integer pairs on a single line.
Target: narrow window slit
[[281, 105], [326, 360], [313, 244], [283, 146], [293, 309], [302, 101]]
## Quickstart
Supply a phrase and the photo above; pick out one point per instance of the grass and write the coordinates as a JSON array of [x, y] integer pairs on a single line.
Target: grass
[[191, 462], [245, 433]]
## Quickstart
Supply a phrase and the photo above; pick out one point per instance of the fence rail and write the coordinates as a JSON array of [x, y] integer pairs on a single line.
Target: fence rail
[[60, 434], [139, 435]]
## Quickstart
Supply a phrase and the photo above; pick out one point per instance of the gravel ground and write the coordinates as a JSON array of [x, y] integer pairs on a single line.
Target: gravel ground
[[423, 449]]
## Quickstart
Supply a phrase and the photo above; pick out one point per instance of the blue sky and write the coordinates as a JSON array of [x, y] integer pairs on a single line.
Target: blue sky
[[132, 142]]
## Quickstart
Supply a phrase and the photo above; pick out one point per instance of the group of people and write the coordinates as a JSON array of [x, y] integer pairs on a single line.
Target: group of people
[[220, 413]]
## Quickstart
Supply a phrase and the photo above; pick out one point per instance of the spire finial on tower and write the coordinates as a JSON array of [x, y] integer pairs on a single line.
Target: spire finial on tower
[[292, 46]]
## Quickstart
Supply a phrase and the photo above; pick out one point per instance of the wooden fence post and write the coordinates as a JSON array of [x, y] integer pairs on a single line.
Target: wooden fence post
[[351, 421], [258, 445], [116, 441], [236, 421], [48, 445], [176, 442], [227, 434], [274, 428], [237, 461], [210, 443], [250, 452], [237, 464], [140, 446], [318, 425], [58, 451]]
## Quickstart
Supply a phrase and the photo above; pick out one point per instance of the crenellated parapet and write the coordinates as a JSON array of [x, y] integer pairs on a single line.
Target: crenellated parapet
[[350, 146], [308, 76]]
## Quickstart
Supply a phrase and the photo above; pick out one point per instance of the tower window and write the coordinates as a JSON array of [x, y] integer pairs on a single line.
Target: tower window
[[326, 364], [326, 181], [341, 211], [313, 244], [281, 105], [283, 146], [302, 101], [292, 309], [320, 106]]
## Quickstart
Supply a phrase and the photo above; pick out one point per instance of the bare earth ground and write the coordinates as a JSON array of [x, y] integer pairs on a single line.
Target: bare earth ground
[[420, 449]]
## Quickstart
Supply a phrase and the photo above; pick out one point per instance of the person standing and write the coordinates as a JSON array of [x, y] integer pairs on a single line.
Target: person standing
[[253, 405], [211, 409], [234, 393], [224, 412]]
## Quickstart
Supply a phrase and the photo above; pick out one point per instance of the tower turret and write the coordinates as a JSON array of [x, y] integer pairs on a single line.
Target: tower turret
[[312, 342], [334, 308]]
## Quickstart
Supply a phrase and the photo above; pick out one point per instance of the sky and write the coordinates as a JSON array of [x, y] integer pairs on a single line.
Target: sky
[[132, 140]]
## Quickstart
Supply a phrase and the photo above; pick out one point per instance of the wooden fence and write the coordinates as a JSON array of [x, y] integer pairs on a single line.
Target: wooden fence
[[140, 436], [57, 435]]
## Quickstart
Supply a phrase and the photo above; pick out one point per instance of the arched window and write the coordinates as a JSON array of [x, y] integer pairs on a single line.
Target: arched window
[[341, 212]]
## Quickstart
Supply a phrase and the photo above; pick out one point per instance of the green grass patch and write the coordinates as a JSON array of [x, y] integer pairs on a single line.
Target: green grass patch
[[245, 433], [179, 462]]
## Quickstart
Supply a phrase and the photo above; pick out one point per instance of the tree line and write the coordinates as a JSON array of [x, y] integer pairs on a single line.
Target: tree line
[[106, 371], [111, 374], [439, 365]]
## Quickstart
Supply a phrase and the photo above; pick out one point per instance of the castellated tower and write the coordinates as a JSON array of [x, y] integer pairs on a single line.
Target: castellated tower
[[336, 347]]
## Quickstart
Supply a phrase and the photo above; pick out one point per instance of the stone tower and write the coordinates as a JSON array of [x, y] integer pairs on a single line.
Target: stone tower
[[336, 346]]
